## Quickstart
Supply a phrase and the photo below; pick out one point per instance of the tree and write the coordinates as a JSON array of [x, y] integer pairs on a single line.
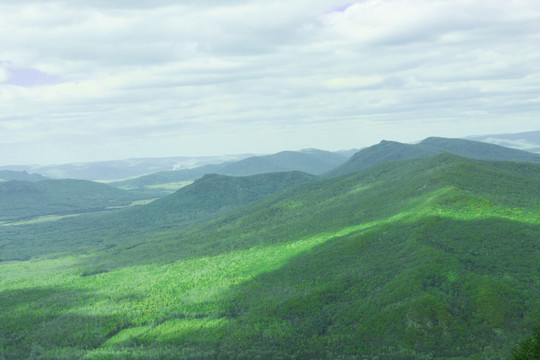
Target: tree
[[528, 349]]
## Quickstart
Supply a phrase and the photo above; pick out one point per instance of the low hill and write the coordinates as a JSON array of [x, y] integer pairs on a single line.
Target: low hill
[[311, 161], [214, 194], [24, 199], [431, 258], [391, 150], [6, 175]]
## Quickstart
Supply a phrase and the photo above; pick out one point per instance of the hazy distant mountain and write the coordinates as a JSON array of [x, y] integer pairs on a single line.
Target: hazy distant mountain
[[391, 150], [122, 169], [528, 141], [7, 175], [311, 161]]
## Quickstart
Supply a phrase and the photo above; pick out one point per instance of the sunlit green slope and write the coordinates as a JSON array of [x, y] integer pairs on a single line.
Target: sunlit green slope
[[415, 259], [205, 198]]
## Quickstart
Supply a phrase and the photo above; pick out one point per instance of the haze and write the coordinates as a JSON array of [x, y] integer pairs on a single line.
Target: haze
[[123, 79]]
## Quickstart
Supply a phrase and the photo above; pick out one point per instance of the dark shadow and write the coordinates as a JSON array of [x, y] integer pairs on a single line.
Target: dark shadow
[[436, 288], [35, 321]]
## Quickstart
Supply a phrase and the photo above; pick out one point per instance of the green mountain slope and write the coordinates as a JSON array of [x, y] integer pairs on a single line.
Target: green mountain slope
[[24, 199], [479, 150], [391, 150], [310, 161], [215, 194], [6, 175], [418, 259]]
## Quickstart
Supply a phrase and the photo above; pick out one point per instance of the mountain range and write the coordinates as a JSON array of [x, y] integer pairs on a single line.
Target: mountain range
[[311, 161], [401, 252]]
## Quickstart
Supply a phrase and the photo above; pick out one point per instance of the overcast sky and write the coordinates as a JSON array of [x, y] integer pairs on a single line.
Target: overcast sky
[[105, 79]]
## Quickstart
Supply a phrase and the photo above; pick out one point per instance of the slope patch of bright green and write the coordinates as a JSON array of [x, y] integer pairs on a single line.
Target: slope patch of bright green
[[419, 259]]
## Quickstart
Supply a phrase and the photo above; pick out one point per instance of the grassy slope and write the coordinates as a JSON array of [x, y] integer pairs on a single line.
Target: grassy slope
[[391, 150], [309, 161], [414, 259], [24, 199]]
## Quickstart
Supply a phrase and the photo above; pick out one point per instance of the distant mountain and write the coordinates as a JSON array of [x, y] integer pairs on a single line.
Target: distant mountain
[[122, 169], [311, 161], [390, 150], [528, 141], [24, 199], [20, 175]]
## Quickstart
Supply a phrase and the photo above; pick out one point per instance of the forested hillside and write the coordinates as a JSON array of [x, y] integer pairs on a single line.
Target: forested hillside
[[25, 199], [414, 259], [391, 150], [6, 175]]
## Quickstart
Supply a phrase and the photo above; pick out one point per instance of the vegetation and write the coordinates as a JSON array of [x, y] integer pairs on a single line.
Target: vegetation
[[528, 349], [433, 258], [391, 150], [24, 199], [310, 161], [7, 175]]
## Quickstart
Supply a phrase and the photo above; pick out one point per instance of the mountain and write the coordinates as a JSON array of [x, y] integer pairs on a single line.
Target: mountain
[[527, 141], [7, 175], [311, 161], [214, 194], [115, 170], [430, 258], [391, 150], [24, 199]]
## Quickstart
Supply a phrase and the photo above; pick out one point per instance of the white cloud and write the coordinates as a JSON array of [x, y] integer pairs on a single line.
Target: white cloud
[[172, 77]]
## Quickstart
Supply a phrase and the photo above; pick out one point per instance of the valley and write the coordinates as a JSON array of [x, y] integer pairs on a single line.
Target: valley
[[425, 251]]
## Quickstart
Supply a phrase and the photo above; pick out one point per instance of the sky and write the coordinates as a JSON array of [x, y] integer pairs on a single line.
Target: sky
[[98, 80]]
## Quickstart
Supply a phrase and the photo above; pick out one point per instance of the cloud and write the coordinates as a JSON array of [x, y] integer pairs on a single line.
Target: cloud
[[171, 76]]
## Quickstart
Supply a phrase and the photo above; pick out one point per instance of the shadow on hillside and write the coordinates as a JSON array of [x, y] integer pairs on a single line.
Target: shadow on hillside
[[437, 287], [36, 320]]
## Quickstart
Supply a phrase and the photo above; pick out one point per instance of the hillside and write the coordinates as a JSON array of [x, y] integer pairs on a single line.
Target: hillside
[[391, 150], [310, 161], [214, 194], [6, 175], [24, 199], [416, 259]]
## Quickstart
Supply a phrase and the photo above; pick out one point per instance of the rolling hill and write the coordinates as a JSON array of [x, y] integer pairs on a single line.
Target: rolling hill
[[25, 199], [311, 161], [427, 258], [391, 150], [6, 175]]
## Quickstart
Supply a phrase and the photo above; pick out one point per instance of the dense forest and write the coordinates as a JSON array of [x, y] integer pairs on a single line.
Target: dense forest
[[427, 256]]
